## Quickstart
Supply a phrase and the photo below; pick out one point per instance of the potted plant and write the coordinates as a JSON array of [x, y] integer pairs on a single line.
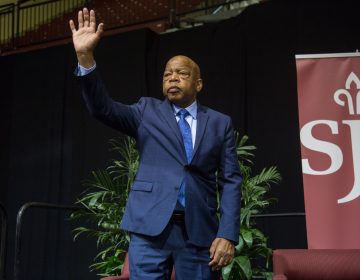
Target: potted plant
[[105, 197], [103, 204], [252, 247]]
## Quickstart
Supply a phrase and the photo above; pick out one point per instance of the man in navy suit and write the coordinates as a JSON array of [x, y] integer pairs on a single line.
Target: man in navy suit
[[187, 155]]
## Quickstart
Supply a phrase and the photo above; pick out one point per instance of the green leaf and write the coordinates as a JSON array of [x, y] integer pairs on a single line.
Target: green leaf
[[267, 275], [244, 264], [254, 200], [240, 245], [257, 234], [226, 271], [247, 236], [110, 226]]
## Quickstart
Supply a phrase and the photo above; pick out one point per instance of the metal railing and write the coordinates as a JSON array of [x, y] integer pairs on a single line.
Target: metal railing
[[18, 231], [280, 215], [3, 223], [33, 22], [7, 26], [39, 19], [42, 205]]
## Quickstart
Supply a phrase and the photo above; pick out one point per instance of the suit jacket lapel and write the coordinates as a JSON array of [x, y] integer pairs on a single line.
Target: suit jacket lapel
[[168, 116], [202, 118]]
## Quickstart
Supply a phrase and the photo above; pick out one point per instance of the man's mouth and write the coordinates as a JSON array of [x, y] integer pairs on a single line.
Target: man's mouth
[[173, 89]]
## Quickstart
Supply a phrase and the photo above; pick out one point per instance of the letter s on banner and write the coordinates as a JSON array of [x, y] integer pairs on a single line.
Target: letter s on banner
[[332, 150]]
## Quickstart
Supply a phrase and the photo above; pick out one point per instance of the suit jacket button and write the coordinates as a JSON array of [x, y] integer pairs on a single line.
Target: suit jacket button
[[177, 188]]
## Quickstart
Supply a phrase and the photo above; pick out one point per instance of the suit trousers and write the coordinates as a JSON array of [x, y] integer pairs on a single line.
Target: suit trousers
[[152, 257]]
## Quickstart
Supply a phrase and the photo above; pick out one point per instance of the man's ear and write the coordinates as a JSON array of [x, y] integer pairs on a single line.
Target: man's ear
[[199, 85]]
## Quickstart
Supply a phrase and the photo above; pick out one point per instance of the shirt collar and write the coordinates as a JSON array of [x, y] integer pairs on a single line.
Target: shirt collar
[[192, 109]]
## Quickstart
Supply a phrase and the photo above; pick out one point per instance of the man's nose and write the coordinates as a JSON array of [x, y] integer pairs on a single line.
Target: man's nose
[[174, 77]]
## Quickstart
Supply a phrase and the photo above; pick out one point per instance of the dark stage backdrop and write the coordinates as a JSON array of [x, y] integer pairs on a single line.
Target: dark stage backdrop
[[49, 143]]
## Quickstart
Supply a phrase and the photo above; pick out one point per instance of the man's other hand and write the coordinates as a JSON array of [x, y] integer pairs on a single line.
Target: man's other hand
[[221, 253], [86, 37]]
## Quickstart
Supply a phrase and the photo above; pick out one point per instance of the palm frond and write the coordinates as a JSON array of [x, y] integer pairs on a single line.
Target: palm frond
[[104, 202], [255, 188]]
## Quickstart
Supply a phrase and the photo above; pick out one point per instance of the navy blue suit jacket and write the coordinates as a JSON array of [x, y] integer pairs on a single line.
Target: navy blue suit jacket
[[163, 166]]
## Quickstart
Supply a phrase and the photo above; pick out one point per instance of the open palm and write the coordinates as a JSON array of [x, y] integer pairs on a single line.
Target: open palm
[[86, 37]]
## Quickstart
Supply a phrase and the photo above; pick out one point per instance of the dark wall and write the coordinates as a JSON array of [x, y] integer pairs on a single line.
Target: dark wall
[[49, 144]]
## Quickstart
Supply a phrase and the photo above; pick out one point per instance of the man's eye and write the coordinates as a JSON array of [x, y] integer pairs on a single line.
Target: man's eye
[[167, 75], [184, 74]]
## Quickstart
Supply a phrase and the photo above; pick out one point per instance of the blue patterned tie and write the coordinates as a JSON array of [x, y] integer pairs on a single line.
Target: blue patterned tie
[[186, 134]]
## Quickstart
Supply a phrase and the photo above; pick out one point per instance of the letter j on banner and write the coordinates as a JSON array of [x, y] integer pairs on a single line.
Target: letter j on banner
[[329, 121]]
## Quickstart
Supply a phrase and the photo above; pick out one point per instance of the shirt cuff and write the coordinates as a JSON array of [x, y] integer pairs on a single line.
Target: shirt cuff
[[82, 71]]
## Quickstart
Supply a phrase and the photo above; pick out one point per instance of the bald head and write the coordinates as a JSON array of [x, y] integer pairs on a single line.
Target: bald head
[[181, 81], [195, 67]]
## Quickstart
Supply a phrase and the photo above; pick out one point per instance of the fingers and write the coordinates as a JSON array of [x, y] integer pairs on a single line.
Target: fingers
[[220, 259], [222, 253], [86, 17], [217, 265], [100, 29], [92, 19], [72, 26], [224, 260], [213, 247], [80, 19]]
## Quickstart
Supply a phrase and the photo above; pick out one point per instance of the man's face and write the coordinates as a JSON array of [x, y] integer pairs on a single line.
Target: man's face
[[181, 81]]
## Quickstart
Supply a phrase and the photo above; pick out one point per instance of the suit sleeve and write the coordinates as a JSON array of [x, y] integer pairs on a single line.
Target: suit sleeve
[[229, 184], [125, 118]]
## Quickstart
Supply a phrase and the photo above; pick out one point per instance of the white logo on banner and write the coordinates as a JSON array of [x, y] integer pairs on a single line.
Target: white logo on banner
[[331, 149]]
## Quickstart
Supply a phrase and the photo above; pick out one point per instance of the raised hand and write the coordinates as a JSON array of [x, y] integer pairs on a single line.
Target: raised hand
[[86, 37]]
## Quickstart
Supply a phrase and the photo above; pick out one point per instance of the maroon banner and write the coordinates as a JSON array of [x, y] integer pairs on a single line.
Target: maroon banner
[[329, 119]]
